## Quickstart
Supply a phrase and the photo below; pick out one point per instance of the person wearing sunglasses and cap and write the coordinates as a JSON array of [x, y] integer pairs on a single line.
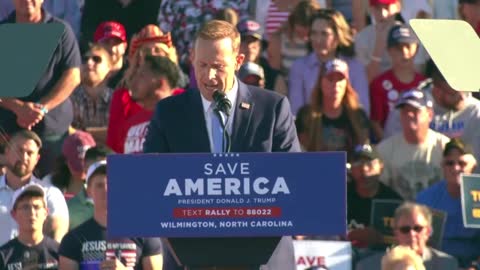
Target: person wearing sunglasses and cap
[[31, 249], [91, 100], [412, 227], [461, 242]]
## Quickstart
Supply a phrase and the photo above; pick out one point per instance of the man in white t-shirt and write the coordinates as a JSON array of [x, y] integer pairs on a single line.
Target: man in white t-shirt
[[457, 114], [412, 158], [22, 155]]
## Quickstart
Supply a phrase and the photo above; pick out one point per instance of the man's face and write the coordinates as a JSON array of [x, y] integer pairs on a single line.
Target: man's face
[[22, 156], [143, 83], [384, 12], [413, 231], [403, 55], [456, 163], [97, 190], [323, 38], [365, 172], [215, 64], [250, 47], [30, 214], [414, 119], [116, 47], [446, 96], [28, 7], [95, 67]]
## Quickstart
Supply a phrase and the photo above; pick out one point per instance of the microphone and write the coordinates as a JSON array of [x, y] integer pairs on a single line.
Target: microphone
[[222, 103]]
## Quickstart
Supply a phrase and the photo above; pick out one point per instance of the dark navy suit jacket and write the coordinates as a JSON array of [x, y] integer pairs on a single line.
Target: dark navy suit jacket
[[262, 123]]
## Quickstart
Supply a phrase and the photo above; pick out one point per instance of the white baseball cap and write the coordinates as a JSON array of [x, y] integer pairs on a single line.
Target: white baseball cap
[[22, 190], [94, 167]]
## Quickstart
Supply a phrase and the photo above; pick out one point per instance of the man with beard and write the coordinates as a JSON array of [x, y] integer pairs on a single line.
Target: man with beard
[[22, 155], [365, 170], [457, 114]]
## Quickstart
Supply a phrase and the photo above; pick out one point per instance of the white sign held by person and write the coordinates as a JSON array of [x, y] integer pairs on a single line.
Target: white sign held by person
[[331, 255]]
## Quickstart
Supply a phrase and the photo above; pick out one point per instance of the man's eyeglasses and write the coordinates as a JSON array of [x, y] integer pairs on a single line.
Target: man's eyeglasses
[[407, 229], [450, 163], [95, 58]]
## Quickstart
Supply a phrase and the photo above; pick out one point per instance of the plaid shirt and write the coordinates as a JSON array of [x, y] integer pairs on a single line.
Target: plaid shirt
[[87, 111]]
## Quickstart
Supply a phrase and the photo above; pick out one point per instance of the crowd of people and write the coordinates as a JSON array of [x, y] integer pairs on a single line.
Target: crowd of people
[[300, 75]]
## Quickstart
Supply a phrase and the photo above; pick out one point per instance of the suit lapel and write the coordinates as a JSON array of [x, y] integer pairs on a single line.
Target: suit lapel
[[243, 112], [199, 137]]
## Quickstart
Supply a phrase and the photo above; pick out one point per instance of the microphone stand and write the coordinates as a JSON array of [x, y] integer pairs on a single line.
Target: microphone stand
[[223, 104]]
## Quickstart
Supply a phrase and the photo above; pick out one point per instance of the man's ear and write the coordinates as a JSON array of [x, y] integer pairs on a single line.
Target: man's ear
[[239, 61]]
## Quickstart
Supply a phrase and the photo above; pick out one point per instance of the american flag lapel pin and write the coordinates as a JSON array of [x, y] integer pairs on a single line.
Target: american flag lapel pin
[[245, 105]]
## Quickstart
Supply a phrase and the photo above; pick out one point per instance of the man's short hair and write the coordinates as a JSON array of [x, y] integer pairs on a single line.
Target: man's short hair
[[97, 168], [162, 66], [408, 208], [217, 29], [30, 194], [97, 152], [27, 135]]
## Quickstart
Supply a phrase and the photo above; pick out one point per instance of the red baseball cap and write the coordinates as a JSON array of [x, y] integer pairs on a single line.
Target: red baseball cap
[[74, 148], [382, 2], [108, 30]]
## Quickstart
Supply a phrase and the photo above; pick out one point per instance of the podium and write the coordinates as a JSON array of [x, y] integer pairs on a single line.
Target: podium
[[228, 211]]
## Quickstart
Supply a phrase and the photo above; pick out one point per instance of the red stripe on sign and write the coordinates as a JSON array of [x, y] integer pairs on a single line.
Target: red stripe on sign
[[227, 212]]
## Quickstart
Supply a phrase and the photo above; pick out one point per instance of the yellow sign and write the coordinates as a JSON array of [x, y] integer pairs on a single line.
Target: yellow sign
[[454, 47]]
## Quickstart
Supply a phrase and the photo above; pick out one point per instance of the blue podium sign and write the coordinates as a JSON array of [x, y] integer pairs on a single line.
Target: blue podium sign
[[227, 195]]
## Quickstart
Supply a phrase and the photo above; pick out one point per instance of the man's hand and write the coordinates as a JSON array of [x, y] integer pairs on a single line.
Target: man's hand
[[112, 265], [29, 114], [365, 237]]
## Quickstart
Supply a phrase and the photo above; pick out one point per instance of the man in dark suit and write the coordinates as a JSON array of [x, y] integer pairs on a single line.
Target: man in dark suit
[[258, 121]]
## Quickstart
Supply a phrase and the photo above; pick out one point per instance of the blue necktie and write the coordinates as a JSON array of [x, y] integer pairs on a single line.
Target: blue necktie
[[217, 131]]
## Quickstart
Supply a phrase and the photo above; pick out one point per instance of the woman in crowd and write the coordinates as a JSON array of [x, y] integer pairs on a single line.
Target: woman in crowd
[[330, 37], [335, 121]]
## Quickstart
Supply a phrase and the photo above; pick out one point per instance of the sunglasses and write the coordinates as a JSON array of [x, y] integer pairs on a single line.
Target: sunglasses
[[450, 163], [95, 58], [407, 229]]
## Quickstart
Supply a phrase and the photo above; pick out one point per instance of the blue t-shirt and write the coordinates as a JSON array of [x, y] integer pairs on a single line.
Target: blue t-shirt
[[458, 241], [66, 56]]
